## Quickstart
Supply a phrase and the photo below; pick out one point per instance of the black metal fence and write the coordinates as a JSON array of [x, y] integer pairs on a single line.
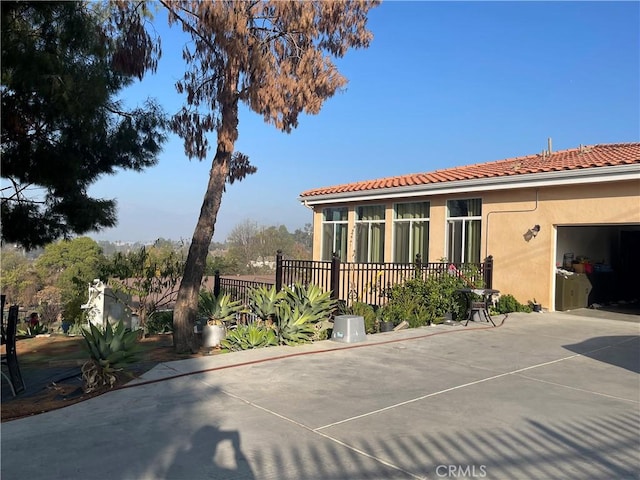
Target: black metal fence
[[238, 289], [365, 282]]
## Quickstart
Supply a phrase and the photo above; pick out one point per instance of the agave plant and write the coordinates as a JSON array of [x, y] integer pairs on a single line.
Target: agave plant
[[110, 351], [218, 310], [263, 302], [311, 299], [246, 337], [295, 325], [32, 330]]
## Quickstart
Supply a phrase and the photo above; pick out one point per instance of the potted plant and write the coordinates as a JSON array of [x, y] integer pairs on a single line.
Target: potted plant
[[66, 325], [218, 312], [535, 306], [385, 318]]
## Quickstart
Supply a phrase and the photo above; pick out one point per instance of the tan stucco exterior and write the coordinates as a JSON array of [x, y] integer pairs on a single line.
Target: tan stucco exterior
[[524, 266]]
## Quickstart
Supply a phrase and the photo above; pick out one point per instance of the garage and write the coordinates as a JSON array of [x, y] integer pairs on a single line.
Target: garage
[[598, 267]]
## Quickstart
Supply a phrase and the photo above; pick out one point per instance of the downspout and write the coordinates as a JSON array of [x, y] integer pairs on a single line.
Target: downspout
[[486, 242], [313, 221]]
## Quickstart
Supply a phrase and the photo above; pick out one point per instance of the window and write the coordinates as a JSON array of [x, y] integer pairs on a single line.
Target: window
[[370, 234], [334, 233], [411, 232], [463, 230]]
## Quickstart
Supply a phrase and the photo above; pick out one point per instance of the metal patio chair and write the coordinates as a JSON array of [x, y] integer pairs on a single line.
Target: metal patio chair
[[10, 359]]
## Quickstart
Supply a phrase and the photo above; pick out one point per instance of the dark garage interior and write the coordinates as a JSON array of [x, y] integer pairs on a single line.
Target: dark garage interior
[[604, 261]]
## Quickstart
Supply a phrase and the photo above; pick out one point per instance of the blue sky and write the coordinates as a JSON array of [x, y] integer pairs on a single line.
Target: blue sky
[[443, 84]]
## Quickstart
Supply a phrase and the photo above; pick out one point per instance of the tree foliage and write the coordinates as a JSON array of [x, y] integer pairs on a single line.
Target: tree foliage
[[242, 243], [251, 246], [271, 239], [151, 277], [20, 281], [63, 64], [304, 236], [275, 57], [249, 243], [71, 265], [224, 264]]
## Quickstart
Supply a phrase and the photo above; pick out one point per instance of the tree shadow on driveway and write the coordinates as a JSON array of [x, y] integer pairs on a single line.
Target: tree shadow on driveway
[[619, 350]]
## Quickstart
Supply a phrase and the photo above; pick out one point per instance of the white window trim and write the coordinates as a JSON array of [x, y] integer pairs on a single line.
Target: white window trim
[[369, 223], [334, 224], [463, 220], [411, 221]]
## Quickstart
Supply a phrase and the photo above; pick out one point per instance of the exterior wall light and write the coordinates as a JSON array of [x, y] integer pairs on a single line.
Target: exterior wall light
[[535, 230], [531, 233]]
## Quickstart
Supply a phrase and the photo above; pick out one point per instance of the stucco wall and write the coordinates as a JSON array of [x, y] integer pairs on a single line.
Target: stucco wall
[[523, 266], [526, 269]]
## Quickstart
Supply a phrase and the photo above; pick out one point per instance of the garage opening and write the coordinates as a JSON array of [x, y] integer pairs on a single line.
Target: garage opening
[[598, 266]]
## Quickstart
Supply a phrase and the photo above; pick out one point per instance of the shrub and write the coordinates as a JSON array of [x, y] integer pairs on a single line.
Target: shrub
[[424, 301], [385, 314], [421, 302], [365, 311], [407, 302], [508, 303], [160, 322], [419, 317], [442, 298]]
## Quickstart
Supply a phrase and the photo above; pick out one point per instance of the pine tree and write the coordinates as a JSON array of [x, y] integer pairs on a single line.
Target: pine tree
[[275, 57], [63, 63]]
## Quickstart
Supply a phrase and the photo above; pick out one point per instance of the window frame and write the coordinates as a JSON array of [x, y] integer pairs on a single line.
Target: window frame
[[412, 222], [464, 222], [369, 227], [343, 224]]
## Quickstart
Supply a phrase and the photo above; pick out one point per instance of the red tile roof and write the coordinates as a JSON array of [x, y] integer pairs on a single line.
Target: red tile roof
[[574, 159]]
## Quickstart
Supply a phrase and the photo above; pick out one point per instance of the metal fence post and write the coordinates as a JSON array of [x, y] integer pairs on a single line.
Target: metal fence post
[[278, 270], [335, 276], [417, 264], [488, 272], [216, 283]]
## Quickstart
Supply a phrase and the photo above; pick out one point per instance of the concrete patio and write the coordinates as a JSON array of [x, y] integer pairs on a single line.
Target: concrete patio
[[549, 395]]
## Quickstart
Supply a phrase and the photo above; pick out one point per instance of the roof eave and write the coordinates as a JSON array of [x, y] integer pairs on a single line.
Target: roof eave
[[530, 180]]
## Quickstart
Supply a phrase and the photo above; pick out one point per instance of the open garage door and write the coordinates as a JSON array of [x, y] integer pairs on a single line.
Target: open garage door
[[605, 260]]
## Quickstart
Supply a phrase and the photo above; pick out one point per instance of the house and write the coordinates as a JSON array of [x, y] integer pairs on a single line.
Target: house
[[532, 214]]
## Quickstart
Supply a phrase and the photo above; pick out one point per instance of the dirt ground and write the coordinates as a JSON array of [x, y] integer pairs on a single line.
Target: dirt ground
[[45, 358]]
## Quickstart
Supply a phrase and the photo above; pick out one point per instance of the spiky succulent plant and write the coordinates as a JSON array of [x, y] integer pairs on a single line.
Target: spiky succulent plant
[[218, 310], [264, 301], [110, 350], [246, 337]]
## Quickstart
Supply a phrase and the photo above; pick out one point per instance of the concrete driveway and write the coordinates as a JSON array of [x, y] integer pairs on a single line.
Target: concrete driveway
[[541, 396]]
